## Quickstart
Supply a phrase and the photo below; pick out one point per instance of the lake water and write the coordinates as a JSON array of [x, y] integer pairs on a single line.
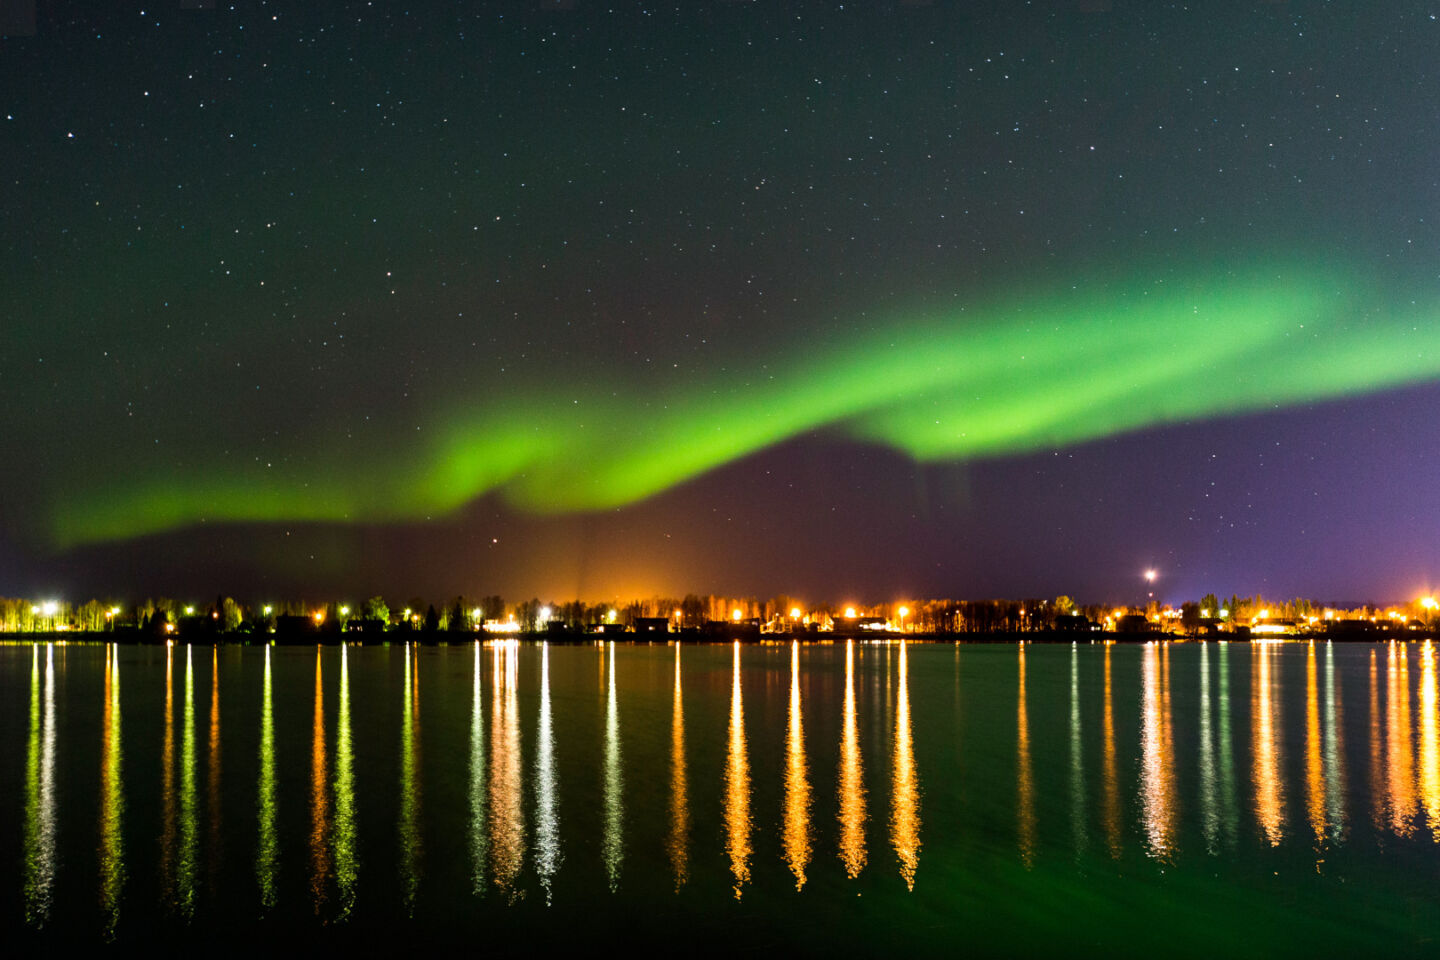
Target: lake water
[[855, 798]]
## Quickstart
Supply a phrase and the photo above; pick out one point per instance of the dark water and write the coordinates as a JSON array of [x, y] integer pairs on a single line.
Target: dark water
[[1192, 799]]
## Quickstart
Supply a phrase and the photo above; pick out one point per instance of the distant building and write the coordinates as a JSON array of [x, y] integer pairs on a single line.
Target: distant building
[[1349, 628], [1072, 623], [1134, 623], [652, 624], [858, 624]]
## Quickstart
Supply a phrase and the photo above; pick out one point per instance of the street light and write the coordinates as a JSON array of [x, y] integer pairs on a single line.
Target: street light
[[903, 611]]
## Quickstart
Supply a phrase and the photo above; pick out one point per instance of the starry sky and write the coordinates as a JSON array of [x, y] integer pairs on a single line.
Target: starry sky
[[846, 301]]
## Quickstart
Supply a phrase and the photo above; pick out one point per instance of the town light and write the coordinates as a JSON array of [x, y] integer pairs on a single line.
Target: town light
[[344, 611], [850, 613], [794, 613], [544, 614], [735, 614]]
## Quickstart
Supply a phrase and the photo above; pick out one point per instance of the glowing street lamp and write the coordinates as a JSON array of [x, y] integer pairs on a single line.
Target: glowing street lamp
[[735, 614], [902, 611], [849, 613]]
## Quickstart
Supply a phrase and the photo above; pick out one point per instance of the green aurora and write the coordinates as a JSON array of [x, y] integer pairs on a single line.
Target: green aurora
[[1022, 373]]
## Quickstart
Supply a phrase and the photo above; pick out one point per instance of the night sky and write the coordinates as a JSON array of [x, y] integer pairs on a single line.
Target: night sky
[[870, 302]]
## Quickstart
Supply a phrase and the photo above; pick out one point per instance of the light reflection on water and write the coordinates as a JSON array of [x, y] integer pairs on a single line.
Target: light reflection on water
[[410, 793], [905, 788], [507, 817], [267, 854], [343, 839], [319, 796], [737, 787], [547, 818], [677, 844], [1157, 777], [721, 773], [797, 780], [851, 780], [112, 799], [1024, 776], [614, 841], [1268, 769], [40, 792]]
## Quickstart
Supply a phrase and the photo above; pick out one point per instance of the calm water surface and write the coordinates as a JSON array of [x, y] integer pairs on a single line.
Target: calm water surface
[[1247, 799]]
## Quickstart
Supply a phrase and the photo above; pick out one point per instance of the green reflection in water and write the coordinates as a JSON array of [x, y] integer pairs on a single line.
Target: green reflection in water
[[477, 838], [1077, 754], [186, 866], [342, 843], [547, 818], [40, 859], [614, 842], [112, 799], [267, 854], [409, 834]]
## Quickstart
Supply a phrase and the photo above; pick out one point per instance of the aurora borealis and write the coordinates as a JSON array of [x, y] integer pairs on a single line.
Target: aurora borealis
[[1024, 300]]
